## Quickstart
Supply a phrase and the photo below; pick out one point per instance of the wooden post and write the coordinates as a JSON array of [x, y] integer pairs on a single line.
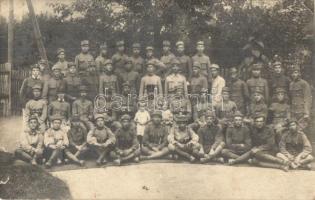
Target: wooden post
[[38, 36], [10, 31]]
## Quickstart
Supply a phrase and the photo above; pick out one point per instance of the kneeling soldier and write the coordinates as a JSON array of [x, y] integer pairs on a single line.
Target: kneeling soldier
[[31, 142], [183, 140], [295, 147], [155, 138], [127, 145], [211, 139], [101, 139], [55, 140], [238, 139]]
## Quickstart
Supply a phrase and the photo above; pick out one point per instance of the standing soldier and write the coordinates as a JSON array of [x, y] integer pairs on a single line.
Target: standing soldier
[[180, 104], [62, 62], [101, 59], [184, 60], [167, 58], [301, 98], [119, 58], [101, 139], [150, 83], [218, 83], [73, 83], [54, 84], [129, 74], [137, 60], [174, 80], [204, 60], [160, 66], [86, 68], [238, 91], [278, 79], [256, 82]]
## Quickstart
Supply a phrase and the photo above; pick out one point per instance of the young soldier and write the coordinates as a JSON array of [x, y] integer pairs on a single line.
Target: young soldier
[[127, 102], [238, 140], [160, 67], [62, 62], [55, 140], [101, 139], [167, 58], [301, 98], [155, 138], [218, 83], [38, 107], [183, 140], [238, 91], [127, 145], [119, 58], [174, 79], [278, 79], [54, 84], [258, 83], [180, 104], [137, 60], [295, 147], [128, 74], [184, 60], [31, 142], [257, 105], [203, 59], [150, 83], [211, 139], [101, 59], [73, 83]]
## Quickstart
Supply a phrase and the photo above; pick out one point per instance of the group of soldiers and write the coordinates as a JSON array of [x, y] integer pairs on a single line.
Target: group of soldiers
[[126, 108]]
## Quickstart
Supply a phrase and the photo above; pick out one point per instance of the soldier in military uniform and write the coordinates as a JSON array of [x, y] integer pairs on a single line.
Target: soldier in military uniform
[[278, 79], [204, 60], [257, 105], [62, 62], [218, 83], [101, 59], [126, 103], [301, 98], [184, 60], [38, 107], [151, 83], [73, 83], [256, 82], [127, 145], [211, 139], [155, 138], [31, 142], [238, 140], [119, 58], [175, 79], [101, 139], [238, 91], [137, 60], [150, 58], [128, 74], [183, 140], [53, 84], [86, 69], [167, 58], [295, 147], [180, 104]]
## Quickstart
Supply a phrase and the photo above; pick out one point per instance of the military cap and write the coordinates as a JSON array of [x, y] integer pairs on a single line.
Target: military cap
[[238, 114], [179, 43], [35, 66], [42, 61], [233, 70], [157, 113], [259, 115], [56, 117], [296, 68], [150, 63], [258, 91], [60, 50], [175, 61], [136, 46], [256, 66], [70, 64], [56, 67], [292, 120], [33, 117], [61, 90], [225, 90], [126, 84], [181, 118], [83, 88], [143, 99], [75, 118], [37, 87], [120, 43], [209, 113], [166, 43], [280, 90], [196, 64], [108, 61], [128, 60], [149, 48], [125, 117], [84, 43], [200, 43], [277, 63], [99, 115], [215, 66], [103, 46]]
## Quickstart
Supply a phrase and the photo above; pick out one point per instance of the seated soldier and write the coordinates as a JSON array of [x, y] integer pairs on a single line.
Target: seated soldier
[[257, 105], [155, 138], [183, 140], [211, 139], [55, 140], [77, 135], [238, 140], [295, 147], [101, 139], [31, 142], [127, 145]]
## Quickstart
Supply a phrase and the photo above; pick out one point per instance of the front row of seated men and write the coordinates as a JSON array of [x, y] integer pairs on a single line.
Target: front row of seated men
[[252, 142]]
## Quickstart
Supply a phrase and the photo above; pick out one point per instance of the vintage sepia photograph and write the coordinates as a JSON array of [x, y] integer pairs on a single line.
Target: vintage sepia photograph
[[157, 99]]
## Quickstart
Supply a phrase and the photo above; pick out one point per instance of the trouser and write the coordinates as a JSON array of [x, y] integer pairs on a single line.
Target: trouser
[[102, 152], [126, 154], [28, 156], [151, 154], [231, 154], [190, 149], [54, 154], [73, 154], [297, 159]]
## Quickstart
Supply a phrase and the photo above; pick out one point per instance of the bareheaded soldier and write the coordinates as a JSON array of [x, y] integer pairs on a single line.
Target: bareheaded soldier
[[301, 97], [256, 82], [167, 58], [101, 59], [155, 138], [73, 83], [62, 62], [127, 145], [218, 83], [175, 79], [295, 147], [119, 58], [183, 141], [211, 139], [238, 140], [203, 59], [31, 142], [101, 139], [129, 74], [184, 60], [238, 90], [150, 58], [137, 60], [278, 79]]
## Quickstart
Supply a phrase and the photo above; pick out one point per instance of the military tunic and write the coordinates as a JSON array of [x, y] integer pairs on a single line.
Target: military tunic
[[31, 141], [64, 67], [185, 66], [167, 60], [198, 84], [133, 78], [173, 81], [263, 139], [108, 84], [295, 144], [239, 94], [73, 82], [38, 108], [187, 137], [205, 65], [180, 106], [83, 108], [159, 65], [100, 63], [226, 111], [52, 86], [53, 137], [260, 84], [138, 64], [127, 139], [210, 137], [119, 61], [258, 109], [61, 108], [155, 136], [101, 136], [77, 135], [26, 92], [150, 84], [279, 112], [279, 81], [237, 136]]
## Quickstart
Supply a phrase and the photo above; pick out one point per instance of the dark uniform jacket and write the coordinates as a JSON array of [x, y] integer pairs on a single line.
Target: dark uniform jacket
[[236, 136], [295, 144], [239, 94], [101, 135], [83, 108], [279, 112], [61, 108], [264, 138], [119, 61], [109, 82], [210, 137], [258, 84], [26, 92], [138, 64], [77, 135], [133, 78], [185, 66], [51, 88], [73, 82], [198, 83], [155, 136], [127, 139], [279, 81]]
